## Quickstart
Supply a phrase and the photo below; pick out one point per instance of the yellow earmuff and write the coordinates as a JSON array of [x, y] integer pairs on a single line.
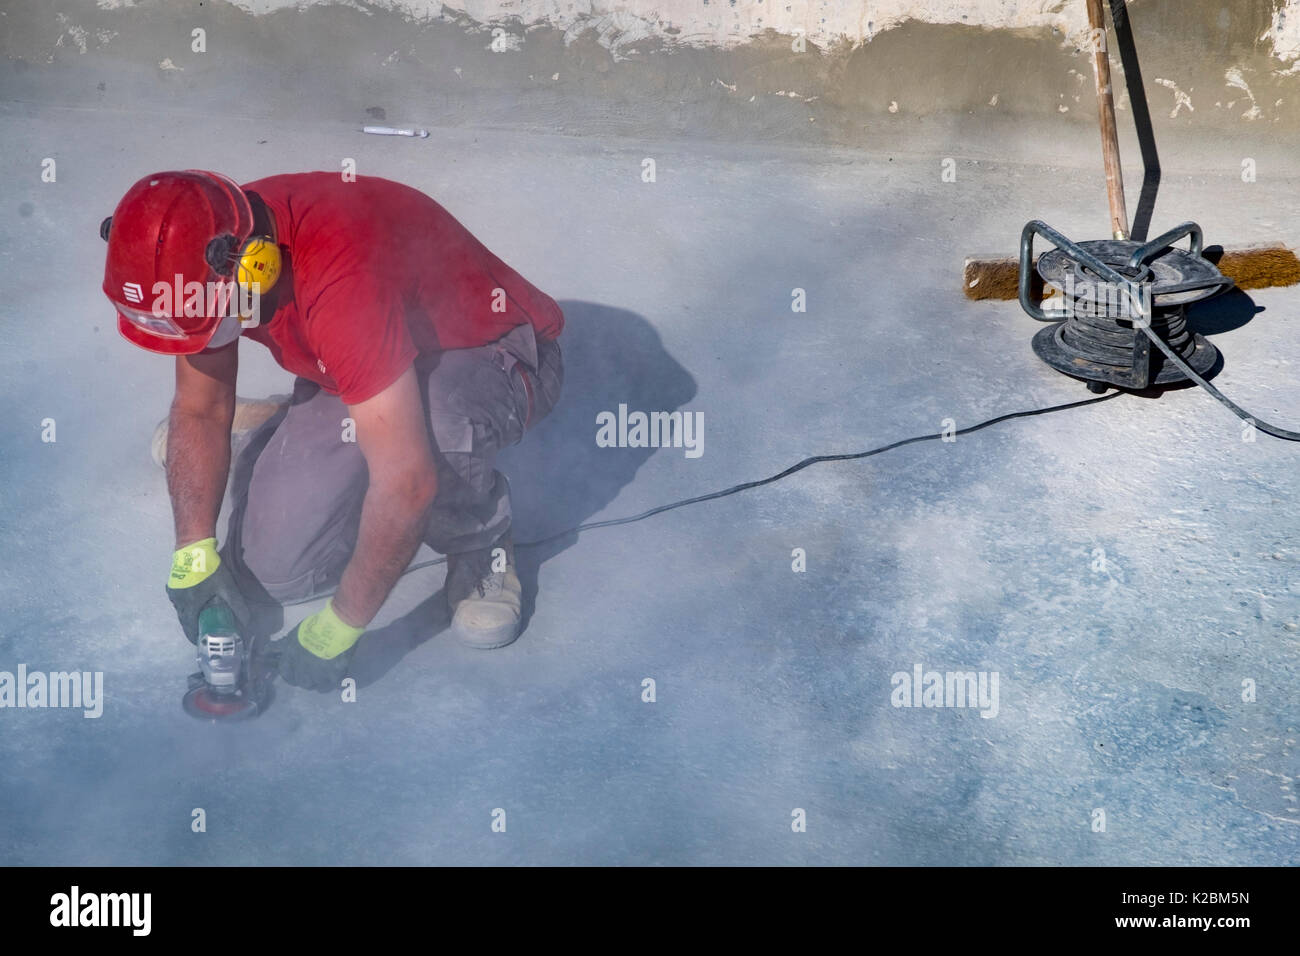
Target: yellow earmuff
[[254, 263], [258, 264]]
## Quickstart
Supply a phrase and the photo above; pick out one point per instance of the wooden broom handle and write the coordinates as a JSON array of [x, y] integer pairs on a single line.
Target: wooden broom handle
[[1106, 115]]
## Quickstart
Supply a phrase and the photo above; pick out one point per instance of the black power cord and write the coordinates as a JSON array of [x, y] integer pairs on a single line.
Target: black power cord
[[1240, 412], [746, 486], [1228, 403], [797, 467], [853, 456]]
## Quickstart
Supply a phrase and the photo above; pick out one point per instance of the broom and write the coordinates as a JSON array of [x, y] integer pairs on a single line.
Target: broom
[[1250, 267]]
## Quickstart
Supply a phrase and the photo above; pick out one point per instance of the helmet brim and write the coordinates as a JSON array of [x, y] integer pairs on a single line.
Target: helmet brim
[[189, 345]]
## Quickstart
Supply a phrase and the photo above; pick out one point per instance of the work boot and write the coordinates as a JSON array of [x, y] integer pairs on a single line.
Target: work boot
[[485, 604], [249, 414]]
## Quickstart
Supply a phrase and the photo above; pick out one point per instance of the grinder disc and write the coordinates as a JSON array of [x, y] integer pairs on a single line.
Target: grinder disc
[[205, 704]]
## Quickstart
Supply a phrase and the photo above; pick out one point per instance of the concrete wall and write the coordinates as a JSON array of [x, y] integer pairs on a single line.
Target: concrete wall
[[708, 68], [724, 23]]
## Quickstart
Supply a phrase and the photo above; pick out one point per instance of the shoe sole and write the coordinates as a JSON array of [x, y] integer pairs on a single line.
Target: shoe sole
[[486, 640]]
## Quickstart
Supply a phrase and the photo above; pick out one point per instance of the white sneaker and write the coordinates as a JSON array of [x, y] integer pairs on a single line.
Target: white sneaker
[[486, 605]]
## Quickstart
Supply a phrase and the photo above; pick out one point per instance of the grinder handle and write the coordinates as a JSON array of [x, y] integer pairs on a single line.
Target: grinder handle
[[216, 618]]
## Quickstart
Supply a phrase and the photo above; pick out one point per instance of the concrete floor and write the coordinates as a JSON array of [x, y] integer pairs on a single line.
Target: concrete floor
[[1120, 689]]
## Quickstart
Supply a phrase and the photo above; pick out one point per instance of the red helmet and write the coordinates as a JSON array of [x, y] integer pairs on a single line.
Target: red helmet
[[173, 228]]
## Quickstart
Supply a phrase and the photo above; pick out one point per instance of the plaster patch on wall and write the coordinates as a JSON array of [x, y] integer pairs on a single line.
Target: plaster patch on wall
[[614, 31], [1285, 34], [78, 36], [1234, 79], [1285, 31], [1181, 99]]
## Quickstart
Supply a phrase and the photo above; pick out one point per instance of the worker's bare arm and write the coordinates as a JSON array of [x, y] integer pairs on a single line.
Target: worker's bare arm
[[198, 440], [393, 436]]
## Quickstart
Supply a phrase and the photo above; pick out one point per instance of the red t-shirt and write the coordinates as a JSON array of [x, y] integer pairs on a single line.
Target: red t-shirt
[[377, 273]]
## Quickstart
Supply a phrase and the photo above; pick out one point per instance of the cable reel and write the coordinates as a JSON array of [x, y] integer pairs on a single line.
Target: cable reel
[[1110, 292]]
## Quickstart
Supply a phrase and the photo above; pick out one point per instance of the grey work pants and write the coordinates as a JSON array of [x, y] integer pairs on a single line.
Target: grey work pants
[[296, 515]]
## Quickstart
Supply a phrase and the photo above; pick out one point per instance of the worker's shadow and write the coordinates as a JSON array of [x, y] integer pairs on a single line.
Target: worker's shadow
[[559, 477]]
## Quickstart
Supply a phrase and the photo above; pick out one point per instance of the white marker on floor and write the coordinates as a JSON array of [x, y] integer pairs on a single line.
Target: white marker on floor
[[395, 131]]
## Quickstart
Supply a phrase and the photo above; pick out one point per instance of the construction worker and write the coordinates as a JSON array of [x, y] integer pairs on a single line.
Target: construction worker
[[418, 354]]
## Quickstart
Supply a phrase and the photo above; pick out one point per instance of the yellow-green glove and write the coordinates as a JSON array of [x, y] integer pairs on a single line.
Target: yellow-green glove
[[317, 653], [197, 578]]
